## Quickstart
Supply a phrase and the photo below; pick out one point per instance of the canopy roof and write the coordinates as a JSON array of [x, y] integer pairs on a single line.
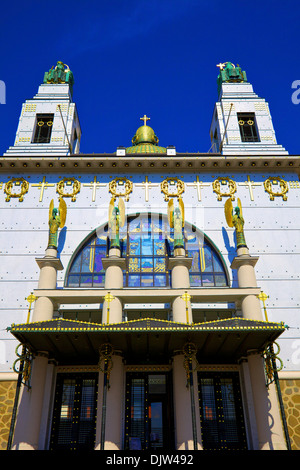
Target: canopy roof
[[147, 340]]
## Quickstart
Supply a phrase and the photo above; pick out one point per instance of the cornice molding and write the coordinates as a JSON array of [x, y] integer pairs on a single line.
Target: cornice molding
[[188, 162]]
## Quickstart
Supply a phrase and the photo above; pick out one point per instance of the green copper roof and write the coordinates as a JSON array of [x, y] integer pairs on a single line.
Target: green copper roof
[[145, 141]]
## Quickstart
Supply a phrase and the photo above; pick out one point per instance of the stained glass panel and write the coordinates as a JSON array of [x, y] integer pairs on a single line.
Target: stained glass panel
[[208, 259], [146, 265], [159, 280], [147, 245], [147, 252], [133, 280], [146, 280]]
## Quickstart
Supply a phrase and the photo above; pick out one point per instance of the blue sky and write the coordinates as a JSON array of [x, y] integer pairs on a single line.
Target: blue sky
[[154, 57]]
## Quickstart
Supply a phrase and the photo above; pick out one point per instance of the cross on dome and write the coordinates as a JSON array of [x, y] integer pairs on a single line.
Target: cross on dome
[[145, 119]]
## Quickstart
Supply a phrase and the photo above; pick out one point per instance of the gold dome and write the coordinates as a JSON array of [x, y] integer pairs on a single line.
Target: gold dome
[[145, 140]]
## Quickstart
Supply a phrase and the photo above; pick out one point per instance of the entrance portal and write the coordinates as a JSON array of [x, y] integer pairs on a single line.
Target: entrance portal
[[74, 415], [222, 420], [149, 417]]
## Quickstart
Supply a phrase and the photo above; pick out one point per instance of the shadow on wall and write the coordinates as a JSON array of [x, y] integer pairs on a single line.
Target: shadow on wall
[[61, 240], [231, 254]]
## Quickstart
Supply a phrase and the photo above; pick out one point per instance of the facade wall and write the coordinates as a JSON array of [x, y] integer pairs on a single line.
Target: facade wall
[[271, 230]]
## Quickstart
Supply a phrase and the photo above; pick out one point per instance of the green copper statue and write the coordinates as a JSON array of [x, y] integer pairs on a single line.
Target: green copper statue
[[176, 221], [60, 74], [235, 219], [57, 219], [116, 219], [230, 73]]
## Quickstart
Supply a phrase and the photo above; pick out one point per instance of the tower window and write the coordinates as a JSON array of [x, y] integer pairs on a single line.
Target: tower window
[[43, 128], [248, 127]]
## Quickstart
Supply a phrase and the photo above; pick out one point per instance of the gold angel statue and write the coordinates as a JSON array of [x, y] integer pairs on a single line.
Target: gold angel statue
[[176, 221], [116, 219], [234, 218], [57, 219]]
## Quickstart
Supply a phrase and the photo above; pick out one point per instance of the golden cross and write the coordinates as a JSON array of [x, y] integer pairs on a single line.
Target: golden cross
[[31, 298], [108, 298], [42, 185], [94, 184], [263, 297], [198, 184], [250, 185], [147, 185], [186, 297], [145, 119]]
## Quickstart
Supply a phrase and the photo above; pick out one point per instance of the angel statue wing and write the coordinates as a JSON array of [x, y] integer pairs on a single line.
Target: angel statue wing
[[240, 206], [51, 207], [62, 212], [181, 207], [121, 212], [110, 210], [171, 212], [228, 212]]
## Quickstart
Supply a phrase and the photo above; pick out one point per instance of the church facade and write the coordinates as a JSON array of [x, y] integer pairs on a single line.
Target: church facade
[[149, 297]]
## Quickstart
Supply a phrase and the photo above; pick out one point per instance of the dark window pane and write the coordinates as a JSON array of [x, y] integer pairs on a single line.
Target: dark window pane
[[43, 129]]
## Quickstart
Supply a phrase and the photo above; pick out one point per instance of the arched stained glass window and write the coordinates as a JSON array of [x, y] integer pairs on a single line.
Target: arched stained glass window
[[146, 244]]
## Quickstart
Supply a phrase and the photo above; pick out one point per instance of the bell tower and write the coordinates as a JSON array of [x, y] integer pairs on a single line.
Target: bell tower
[[49, 122], [241, 123]]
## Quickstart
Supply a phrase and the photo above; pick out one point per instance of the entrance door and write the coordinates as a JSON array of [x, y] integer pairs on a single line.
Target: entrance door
[[74, 415], [222, 420], [148, 412]]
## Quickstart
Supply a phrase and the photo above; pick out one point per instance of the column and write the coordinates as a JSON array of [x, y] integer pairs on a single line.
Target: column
[[112, 305], [184, 439], [267, 413], [179, 266], [244, 264], [110, 402], [49, 265], [31, 407]]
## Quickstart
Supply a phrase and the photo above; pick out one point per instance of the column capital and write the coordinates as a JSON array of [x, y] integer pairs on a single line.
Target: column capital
[[180, 261], [243, 260], [50, 261], [114, 261]]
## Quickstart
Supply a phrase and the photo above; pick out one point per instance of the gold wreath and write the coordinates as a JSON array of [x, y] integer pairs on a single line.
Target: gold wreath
[[113, 188], [9, 186], [165, 188], [217, 188], [61, 186], [269, 188]]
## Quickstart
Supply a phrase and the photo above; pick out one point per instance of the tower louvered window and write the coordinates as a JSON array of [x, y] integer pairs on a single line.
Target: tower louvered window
[[248, 127], [43, 128]]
